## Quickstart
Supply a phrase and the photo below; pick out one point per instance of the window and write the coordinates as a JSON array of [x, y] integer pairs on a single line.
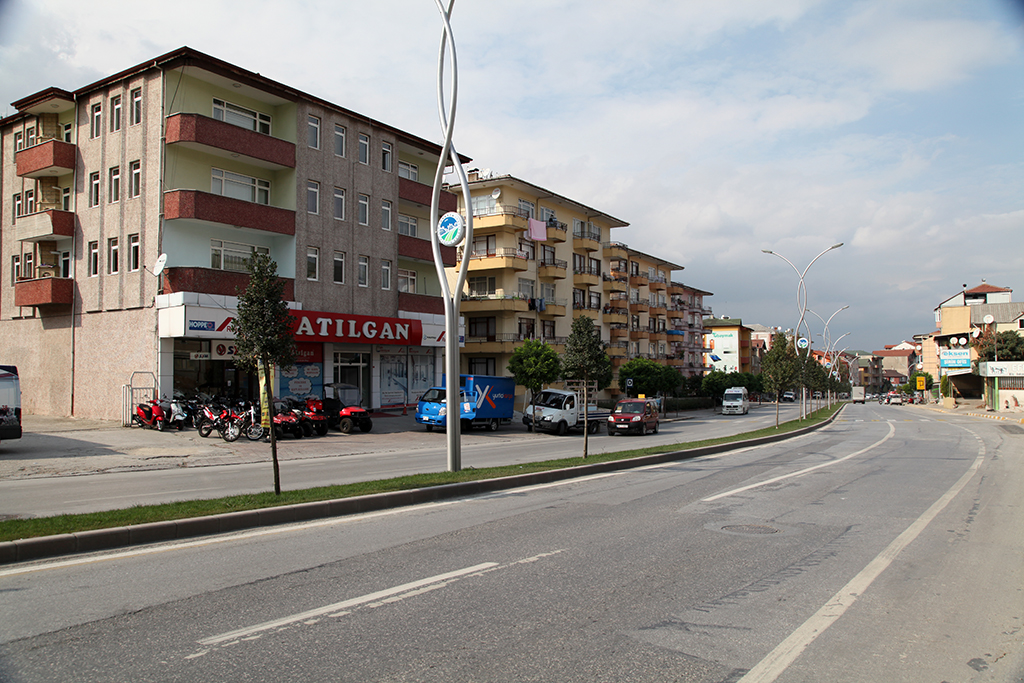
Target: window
[[339, 204], [526, 288], [28, 270], [65, 264], [527, 328], [526, 247], [135, 182], [115, 113], [385, 274], [481, 286], [482, 327], [364, 271], [232, 255], [30, 136], [486, 245], [547, 291], [546, 214], [17, 205], [15, 269], [67, 132], [481, 366], [313, 197], [407, 281], [407, 170], [313, 132], [339, 267], [94, 259], [136, 115], [114, 184], [547, 329], [65, 198], [240, 186], [385, 214], [595, 301], [240, 116], [339, 140], [526, 208], [113, 260], [134, 253], [385, 156], [30, 201], [19, 141], [94, 189], [364, 209], [96, 117], [579, 298], [484, 205], [406, 225], [312, 263], [364, 149]]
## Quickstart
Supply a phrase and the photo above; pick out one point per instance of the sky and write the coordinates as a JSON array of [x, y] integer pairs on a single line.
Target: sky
[[716, 128]]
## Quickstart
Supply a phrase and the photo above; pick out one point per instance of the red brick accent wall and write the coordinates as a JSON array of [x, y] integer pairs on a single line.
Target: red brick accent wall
[[413, 247], [420, 303], [216, 209], [44, 291], [213, 133], [54, 153], [421, 194], [210, 281]]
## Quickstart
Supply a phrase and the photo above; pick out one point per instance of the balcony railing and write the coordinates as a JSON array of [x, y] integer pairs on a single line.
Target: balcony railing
[[196, 130], [214, 208], [47, 158], [587, 234], [44, 291]]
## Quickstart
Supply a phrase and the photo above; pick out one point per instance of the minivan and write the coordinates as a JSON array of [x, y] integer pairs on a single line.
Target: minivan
[[634, 416], [736, 401]]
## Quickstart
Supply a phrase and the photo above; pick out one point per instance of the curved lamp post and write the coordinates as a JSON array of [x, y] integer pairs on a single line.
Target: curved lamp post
[[450, 231], [801, 304], [826, 336]]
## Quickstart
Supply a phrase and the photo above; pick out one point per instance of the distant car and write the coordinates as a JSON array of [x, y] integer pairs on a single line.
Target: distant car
[[896, 400], [634, 416], [789, 397]]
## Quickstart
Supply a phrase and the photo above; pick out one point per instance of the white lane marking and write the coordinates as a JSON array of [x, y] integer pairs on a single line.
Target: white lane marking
[[798, 473], [375, 599], [779, 659], [345, 604]]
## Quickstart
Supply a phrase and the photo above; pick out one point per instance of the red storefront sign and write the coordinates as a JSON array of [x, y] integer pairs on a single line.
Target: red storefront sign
[[314, 326]]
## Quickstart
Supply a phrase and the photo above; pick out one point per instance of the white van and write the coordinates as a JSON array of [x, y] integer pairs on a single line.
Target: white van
[[736, 401], [10, 403]]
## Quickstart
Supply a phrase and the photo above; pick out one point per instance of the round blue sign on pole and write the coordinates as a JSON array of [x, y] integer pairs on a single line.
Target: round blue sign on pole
[[451, 229], [802, 342]]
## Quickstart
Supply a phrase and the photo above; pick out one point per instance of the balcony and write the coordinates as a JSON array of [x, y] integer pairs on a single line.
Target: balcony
[[657, 284], [44, 291], [420, 250], [615, 315], [494, 303], [556, 231], [638, 306], [637, 280], [661, 335], [586, 240], [615, 250], [212, 281], [213, 208], [555, 268], [586, 277], [658, 309], [676, 362], [553, 308], [418, 193], [47, 159], [674, 288], [210, 136], [619, 331], [675, 314], [499, 259], [616, 349], [420, 303], [637, 335], [44, 225], [614, 283]]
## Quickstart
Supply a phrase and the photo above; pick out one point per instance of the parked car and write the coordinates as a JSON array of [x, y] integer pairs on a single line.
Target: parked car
[[788, 397], [896, 400], [634, 416]]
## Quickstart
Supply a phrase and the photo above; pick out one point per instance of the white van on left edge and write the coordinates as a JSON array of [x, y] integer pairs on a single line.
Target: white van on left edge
[[10, 403]]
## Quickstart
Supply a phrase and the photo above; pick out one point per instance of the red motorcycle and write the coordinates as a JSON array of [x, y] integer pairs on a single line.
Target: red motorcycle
[[225, 421], [150, 414]]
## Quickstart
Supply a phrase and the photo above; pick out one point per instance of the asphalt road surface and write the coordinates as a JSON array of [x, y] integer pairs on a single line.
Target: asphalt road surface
[[886, 547]]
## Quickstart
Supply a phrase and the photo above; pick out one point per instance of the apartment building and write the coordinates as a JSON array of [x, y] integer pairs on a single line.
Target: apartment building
[[539, 259], [135, 200], [727, 343]]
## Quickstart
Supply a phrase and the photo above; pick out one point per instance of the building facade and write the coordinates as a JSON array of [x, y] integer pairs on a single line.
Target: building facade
[[728, 345], [135, 201]]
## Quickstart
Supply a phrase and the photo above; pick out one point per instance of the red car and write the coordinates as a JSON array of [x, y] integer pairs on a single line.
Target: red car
[[634, 416]]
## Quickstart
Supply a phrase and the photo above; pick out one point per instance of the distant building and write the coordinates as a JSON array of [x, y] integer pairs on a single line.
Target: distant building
[[728, 344]]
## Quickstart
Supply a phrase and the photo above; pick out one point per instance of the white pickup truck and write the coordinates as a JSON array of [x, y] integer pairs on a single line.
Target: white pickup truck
[[561, 411]]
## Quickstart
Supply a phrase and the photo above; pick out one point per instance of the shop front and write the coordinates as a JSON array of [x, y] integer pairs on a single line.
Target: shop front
[[391, 361]]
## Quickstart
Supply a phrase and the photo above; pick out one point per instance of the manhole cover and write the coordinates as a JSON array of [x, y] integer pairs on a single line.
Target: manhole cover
[[750, 529]]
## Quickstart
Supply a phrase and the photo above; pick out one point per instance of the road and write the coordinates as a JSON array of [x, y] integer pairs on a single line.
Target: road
[[885, 547], [396, 447]]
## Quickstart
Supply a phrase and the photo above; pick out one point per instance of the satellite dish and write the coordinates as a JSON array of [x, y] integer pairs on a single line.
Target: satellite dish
[[486, 173], [963, 341], [161, 261], [988, 320], [976, 333], [496, 193]]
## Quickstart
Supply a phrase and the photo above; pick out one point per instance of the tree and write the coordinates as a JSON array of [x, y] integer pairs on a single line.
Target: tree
[[778, 369], [714, 384], [535, 364], [1009, 344], [263, 334], [585, 359]]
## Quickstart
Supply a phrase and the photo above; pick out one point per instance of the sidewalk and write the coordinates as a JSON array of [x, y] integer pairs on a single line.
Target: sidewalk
[[62, 446]]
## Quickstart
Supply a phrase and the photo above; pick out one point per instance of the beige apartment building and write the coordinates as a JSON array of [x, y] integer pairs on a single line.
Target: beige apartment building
[[539, 259], [131, 204]]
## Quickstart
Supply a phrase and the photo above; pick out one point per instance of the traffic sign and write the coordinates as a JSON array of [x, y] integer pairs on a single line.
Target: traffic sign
[[802, 342]]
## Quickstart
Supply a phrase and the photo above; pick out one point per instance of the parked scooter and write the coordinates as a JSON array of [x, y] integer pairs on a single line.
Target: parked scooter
[[150, 414], [174, 413]]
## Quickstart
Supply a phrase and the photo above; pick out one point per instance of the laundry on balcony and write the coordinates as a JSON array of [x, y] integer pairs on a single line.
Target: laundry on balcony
[[538, 230]]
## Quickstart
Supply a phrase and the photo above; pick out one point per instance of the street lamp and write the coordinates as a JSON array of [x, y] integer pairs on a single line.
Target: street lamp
[[801, 303], [826, 337]]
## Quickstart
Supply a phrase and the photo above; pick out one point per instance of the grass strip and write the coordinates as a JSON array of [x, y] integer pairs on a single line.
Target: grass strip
[[14, 529]]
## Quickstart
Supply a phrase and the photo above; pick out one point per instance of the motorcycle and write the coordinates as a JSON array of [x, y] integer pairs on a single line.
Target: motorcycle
[[286, 421], [252, 423], [150, 414], [225, 421], [175, 414]]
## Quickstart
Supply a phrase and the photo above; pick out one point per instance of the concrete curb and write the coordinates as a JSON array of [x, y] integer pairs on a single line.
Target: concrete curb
[[105, 539]]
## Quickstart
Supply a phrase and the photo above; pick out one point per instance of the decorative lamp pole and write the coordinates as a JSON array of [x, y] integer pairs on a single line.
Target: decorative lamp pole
[[801, 304], [451, 231]]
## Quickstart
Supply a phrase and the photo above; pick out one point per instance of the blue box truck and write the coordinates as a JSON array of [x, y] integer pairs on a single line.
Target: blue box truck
[[484, 402]]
